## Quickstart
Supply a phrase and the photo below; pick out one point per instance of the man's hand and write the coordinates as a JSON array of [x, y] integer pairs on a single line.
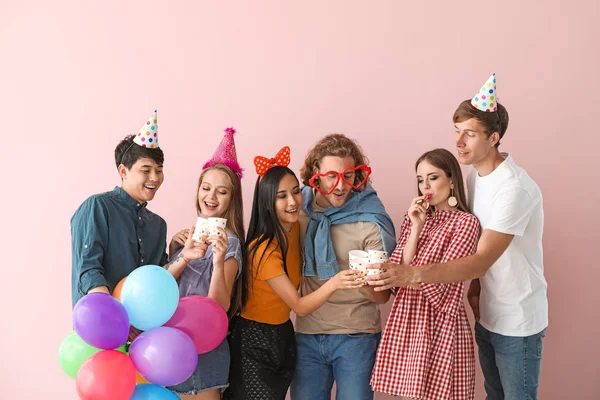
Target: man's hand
[[99, 289], [393, 275], [178, 241]]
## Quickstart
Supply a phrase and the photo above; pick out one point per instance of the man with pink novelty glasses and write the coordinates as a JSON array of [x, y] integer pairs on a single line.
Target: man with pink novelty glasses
[[340, 213]]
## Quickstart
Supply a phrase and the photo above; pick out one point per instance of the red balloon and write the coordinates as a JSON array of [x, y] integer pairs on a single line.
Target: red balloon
[[203, 320], [107, 375]]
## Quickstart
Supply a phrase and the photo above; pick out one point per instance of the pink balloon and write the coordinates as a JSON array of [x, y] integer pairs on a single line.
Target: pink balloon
[[203, 320]]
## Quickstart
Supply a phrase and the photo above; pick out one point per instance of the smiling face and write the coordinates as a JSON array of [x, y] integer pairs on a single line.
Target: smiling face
[[327, 183], [288, 201], [473, 144], [142, 180], [214, 194]]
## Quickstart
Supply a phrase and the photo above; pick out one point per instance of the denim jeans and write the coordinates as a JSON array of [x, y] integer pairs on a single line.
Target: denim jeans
[[511, 365], [347, 359]]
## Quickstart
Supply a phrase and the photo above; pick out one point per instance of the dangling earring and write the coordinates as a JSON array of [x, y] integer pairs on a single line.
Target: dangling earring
[[452, 202]]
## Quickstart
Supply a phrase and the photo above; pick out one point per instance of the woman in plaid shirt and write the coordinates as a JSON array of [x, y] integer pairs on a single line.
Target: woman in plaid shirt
[[427, 350]]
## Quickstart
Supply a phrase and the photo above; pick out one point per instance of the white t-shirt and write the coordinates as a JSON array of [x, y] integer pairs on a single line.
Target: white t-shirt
[[513, 299]]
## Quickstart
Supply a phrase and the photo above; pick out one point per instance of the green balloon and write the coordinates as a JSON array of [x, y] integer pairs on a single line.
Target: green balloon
[[73, 351]]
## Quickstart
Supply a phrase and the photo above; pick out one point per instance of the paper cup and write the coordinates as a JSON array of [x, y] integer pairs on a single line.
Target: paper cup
[[359, 264], [354, 254], [201, 229], [373, 271], [377, 255], [214, 223]]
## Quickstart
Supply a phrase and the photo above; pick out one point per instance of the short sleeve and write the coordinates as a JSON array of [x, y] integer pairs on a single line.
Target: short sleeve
[[511, 211], [464, 238], [373, 240], [463, 242], [234, 250], [396, 256], [271, 262]]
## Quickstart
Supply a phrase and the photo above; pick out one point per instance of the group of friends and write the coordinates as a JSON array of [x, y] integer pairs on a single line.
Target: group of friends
[[294, 256]]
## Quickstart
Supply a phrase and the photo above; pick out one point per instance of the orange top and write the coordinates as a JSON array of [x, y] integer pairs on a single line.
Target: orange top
[[263, 304]]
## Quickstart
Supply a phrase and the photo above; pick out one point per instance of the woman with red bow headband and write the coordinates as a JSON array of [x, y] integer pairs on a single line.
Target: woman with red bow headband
[[263, 345]]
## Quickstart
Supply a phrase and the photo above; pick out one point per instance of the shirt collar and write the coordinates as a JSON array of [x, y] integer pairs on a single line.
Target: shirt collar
[[130, 201]]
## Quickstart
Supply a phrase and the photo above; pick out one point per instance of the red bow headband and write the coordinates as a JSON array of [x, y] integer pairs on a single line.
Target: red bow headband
[[281, 159]]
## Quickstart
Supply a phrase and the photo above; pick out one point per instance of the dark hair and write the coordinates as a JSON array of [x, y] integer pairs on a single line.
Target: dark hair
[[444, 160], [127, 153], [235, 224], [265, 226], [492, 121], [336, 145]]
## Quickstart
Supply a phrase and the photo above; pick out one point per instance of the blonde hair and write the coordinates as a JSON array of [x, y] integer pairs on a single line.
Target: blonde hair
[[235, 222]]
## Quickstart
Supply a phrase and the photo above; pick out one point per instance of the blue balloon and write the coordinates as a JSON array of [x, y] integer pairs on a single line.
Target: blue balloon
[[152, 392], [150, 295]]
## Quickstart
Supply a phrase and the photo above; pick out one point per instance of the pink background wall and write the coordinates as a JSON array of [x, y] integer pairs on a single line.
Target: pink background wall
[[76, 77]]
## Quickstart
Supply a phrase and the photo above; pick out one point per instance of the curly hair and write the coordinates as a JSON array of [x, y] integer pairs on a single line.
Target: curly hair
[[336, 145]]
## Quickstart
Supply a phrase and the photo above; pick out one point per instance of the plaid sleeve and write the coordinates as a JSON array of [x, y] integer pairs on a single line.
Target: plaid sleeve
[[396, 256], [463, 242]]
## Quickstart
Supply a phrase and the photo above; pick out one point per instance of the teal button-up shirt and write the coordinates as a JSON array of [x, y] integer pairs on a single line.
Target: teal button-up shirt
[[111, 235]]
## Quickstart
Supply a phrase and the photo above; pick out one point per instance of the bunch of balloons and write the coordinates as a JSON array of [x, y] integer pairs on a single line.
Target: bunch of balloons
[[175, 331]]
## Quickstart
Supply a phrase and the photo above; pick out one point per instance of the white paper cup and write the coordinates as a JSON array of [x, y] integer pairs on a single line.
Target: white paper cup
[[214, 224], [377, 255], [354, 254], [373, 271], [201, 229], [359, 264], [376, 260]]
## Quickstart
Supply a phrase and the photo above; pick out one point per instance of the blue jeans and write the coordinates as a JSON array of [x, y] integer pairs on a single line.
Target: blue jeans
[[346, 359], [511, 365]]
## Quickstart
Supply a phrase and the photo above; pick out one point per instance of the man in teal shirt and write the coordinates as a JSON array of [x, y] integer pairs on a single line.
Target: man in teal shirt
[[114, 233]]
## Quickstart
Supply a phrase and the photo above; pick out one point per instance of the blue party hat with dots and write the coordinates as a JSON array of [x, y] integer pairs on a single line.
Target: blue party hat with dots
[[486, 98], [148, 134]]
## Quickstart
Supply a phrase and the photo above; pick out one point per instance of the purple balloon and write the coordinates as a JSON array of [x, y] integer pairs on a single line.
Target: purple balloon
[[101, 321], [203, 320], [164, 356]]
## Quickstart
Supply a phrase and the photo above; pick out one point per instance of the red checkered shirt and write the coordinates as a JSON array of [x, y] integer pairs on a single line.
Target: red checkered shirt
[[427, 349]]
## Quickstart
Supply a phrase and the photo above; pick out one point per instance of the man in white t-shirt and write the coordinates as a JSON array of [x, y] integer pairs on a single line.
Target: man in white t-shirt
[[509, 299]]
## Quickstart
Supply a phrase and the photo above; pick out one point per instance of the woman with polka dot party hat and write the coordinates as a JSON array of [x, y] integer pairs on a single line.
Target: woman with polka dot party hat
[[218, 195]]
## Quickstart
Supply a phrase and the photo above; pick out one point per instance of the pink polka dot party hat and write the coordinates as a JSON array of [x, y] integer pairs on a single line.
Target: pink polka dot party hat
[[486, 98], [148, 134]]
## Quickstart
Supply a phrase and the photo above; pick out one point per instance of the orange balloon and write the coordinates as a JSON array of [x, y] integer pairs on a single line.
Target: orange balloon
[[117, 291], [140, 379]]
